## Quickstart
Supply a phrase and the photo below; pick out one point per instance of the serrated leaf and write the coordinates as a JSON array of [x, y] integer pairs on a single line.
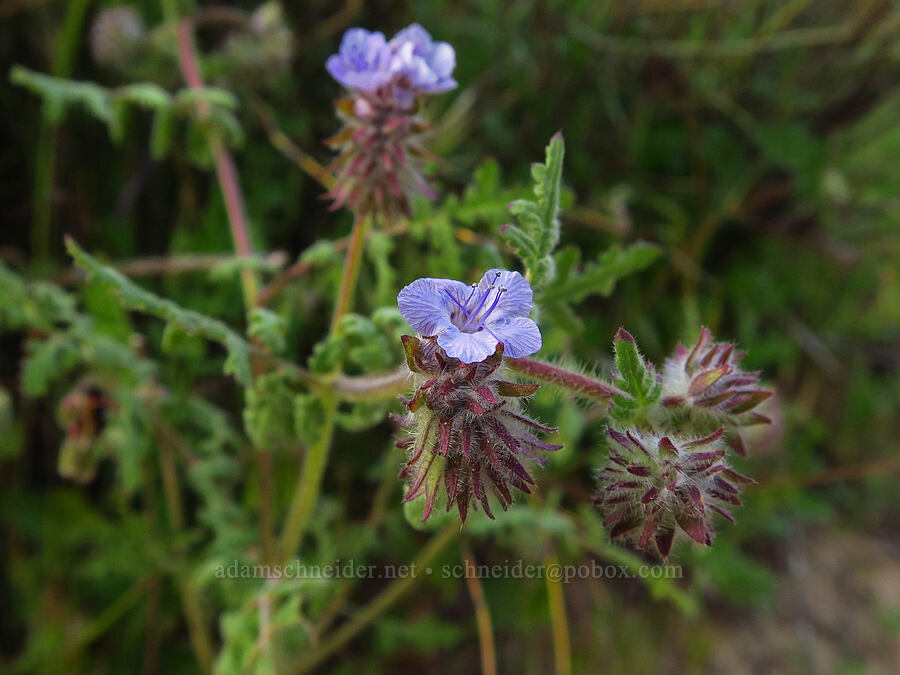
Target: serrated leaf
[[136, 298], [538, 231], [598, 278]]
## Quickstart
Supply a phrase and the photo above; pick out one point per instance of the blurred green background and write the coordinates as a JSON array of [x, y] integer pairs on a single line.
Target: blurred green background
[[756, 143]]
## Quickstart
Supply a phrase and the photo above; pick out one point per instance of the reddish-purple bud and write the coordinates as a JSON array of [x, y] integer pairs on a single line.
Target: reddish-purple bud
[[469, 439], [706, 382], [667, 485]]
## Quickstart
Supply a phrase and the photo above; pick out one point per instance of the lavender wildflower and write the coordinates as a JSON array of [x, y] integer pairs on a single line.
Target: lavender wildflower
[[470, 321], [380, 143], [467, 437], [655, 484]]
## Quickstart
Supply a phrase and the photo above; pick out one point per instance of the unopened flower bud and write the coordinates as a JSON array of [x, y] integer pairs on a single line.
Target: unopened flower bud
[[707, 382], [468, 437], [655, 485], [117, 36]]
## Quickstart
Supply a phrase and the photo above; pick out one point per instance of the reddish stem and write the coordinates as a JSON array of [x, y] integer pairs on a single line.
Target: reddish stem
[[564, 378], [226, 171]]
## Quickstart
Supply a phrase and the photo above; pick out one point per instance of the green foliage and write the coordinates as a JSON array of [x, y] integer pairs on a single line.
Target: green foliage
[[572, 285], [136, 298], [537, 234], [111, 106], [637, 378], [269, 328]]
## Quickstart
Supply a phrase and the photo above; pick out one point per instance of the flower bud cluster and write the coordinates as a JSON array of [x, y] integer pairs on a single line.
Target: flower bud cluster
[[468, 437], [380, 150], [707, 381], [655, 485]]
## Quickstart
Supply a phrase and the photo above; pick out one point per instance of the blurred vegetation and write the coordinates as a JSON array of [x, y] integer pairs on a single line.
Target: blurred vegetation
[[753, 145]]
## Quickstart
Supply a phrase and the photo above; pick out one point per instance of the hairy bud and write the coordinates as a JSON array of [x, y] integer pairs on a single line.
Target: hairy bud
[[468, 436], [707, 382], [380, 146], [655, 485], [117, 36]]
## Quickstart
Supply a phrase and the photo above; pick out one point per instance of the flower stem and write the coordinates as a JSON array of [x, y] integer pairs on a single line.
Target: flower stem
[[68, 43], [561, 647], [226, 172], [344, 302], [372, 387], [384, 601], [482, 614], [306, 494], [580, 384], [190, 602]]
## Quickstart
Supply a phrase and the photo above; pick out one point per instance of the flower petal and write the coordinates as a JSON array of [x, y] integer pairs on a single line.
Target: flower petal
[[520, 336], [467, 347], [426, 305], [518, 297]]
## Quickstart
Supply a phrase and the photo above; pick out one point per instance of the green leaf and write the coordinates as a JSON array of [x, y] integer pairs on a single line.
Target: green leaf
[[45, 361], [598, 278], [636, 377], [269, 328], [136, 298], [60, 94], [146, 95], [538, 231], [212, 95]]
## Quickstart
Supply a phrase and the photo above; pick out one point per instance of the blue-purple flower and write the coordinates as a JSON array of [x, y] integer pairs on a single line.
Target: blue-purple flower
[[363, 61], [380, 147], [470, 321], [411, 62], [422, 65]]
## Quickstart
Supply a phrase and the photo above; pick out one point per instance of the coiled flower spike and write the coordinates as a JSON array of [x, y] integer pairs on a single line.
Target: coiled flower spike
[[468, 437], [380, 149], [655, 485]]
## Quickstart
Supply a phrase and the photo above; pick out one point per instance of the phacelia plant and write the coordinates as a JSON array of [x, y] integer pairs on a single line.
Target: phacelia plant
[[378, 167], [471, 443], [468, 435], [656, 484]]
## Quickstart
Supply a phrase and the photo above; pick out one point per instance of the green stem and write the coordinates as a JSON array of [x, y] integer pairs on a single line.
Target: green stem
[[306, 494], [190, 602], [562, 649], [45, 154], [575, 382], [383, 602], [344, 302]]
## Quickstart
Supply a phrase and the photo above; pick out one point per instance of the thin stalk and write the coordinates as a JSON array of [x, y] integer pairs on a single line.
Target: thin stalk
[[580, 384], [372, 387], [482, 614], [347, 291], [382, 602], [229, 182], [562, 650], [48, 135], [306, 494], [226, 172], [190, 602], [110, 615]]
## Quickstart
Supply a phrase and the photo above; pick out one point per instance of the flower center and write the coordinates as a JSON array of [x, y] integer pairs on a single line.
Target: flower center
[[472, 314]]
